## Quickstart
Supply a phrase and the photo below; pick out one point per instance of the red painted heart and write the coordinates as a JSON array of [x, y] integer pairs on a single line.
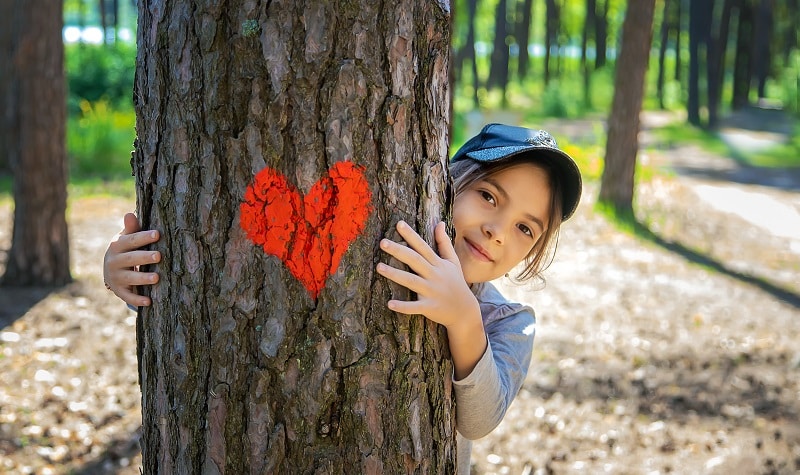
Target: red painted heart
[[309, 234]]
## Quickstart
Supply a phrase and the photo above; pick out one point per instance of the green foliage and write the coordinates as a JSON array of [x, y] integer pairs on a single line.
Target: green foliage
[[100, 139], [96, 72]]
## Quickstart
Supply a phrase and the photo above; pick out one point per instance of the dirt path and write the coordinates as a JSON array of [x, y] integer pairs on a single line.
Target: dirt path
[[674, 355]]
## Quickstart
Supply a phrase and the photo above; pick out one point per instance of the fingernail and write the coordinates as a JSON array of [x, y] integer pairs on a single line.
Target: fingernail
[[384, 243], [154, 256], [401, 224], [152, 234]]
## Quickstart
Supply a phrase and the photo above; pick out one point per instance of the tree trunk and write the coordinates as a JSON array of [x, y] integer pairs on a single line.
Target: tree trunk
[[498, 72], [588, 29], [699, 27], [616, 187], [551, 37], [763, 34], [278, 142], [601, 36], [678, 35], [666, 22], [717, 48], [524, 20], [39, 253], [742, 63], [6, 94]]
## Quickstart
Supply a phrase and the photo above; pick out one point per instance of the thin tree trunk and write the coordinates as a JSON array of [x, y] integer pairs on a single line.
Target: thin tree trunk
[[275, 139], [39, 253], [662, 52], [763, 34], [617, 183], [601, 35], [588, 30], [524, 21], [551, 38], [6, 94], [717, 49], [498, 73], [699, 27], [742, 64]]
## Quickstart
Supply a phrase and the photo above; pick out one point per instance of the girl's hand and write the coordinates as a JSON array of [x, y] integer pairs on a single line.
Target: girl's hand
[[443, 295], [123, 258]]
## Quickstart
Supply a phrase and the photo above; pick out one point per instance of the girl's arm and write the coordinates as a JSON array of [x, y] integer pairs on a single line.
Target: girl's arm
[[123, 258], [483, 397], [443, 295]]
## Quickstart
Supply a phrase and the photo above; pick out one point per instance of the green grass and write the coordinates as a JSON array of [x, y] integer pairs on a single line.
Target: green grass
[[781, 155]]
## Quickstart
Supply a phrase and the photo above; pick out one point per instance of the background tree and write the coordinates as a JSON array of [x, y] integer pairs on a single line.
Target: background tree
[[523, 35], [552, 23], [36, 87], [498, 72], [700, 14], [616, 187], [252, 363]]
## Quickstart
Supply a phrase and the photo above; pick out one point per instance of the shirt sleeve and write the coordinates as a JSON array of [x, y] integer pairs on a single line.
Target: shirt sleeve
[[483, 396]]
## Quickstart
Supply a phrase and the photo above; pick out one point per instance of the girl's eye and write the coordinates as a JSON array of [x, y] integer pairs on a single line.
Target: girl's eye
[[526, 230], [487, 196]]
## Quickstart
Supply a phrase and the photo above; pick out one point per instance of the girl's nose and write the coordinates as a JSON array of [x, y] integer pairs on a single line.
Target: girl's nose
[[494, 232]]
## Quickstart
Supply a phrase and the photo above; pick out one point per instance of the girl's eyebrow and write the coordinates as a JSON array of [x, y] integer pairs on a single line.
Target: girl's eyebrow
[[506, 197]]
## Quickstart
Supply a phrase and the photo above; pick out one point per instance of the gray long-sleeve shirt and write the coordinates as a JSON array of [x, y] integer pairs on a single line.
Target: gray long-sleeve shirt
[[483, 396]]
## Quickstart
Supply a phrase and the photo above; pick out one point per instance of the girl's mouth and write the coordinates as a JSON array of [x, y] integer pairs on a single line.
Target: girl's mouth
[[479, 252]]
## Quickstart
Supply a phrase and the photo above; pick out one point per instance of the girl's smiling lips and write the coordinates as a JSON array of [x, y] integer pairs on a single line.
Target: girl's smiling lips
[[478, 251]]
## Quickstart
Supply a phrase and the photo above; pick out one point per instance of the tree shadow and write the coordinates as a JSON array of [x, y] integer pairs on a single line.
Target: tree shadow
[[17, 301], [116, 457], [786, 295]]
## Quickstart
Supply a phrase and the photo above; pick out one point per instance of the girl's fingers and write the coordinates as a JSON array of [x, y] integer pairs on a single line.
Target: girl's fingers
[[408, 280], [132, 298], [414, 307], [129, 242], [127, 278], [130, 224], [416, 242], [134, 259], [406, 255], [443, 243]]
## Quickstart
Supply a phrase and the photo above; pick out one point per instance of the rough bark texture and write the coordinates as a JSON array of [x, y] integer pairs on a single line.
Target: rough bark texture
[[616, 186], [39, 253], [241, 370]]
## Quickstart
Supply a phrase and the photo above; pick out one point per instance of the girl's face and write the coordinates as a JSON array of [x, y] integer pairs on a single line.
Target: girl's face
[[498, 219]]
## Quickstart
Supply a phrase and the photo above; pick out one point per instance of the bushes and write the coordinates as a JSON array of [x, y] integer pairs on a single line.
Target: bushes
[[100, 139], [101, 121]]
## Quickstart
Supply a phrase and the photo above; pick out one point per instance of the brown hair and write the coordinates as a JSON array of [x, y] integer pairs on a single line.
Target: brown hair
[[467, 171]]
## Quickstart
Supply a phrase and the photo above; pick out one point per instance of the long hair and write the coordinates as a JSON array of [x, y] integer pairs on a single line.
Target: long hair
[[467, 171]]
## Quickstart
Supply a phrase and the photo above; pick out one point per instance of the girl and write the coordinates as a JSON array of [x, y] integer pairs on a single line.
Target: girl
[[513, 189]]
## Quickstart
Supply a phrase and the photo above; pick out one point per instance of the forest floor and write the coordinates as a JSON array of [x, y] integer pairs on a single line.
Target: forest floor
[[673, 353]]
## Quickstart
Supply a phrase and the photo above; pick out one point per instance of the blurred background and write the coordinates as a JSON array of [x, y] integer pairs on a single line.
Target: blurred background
[[668, 330]]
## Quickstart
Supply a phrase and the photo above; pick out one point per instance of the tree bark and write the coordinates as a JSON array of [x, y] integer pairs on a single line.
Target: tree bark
[[764, 25], [699, 28], [742, 63], [588, 28], [617, 183], [552, 18], [319, 117], [524, 20], [6, 94], [666, 23], [39, 253], [717, 48], [498, 72], [601, 35]]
